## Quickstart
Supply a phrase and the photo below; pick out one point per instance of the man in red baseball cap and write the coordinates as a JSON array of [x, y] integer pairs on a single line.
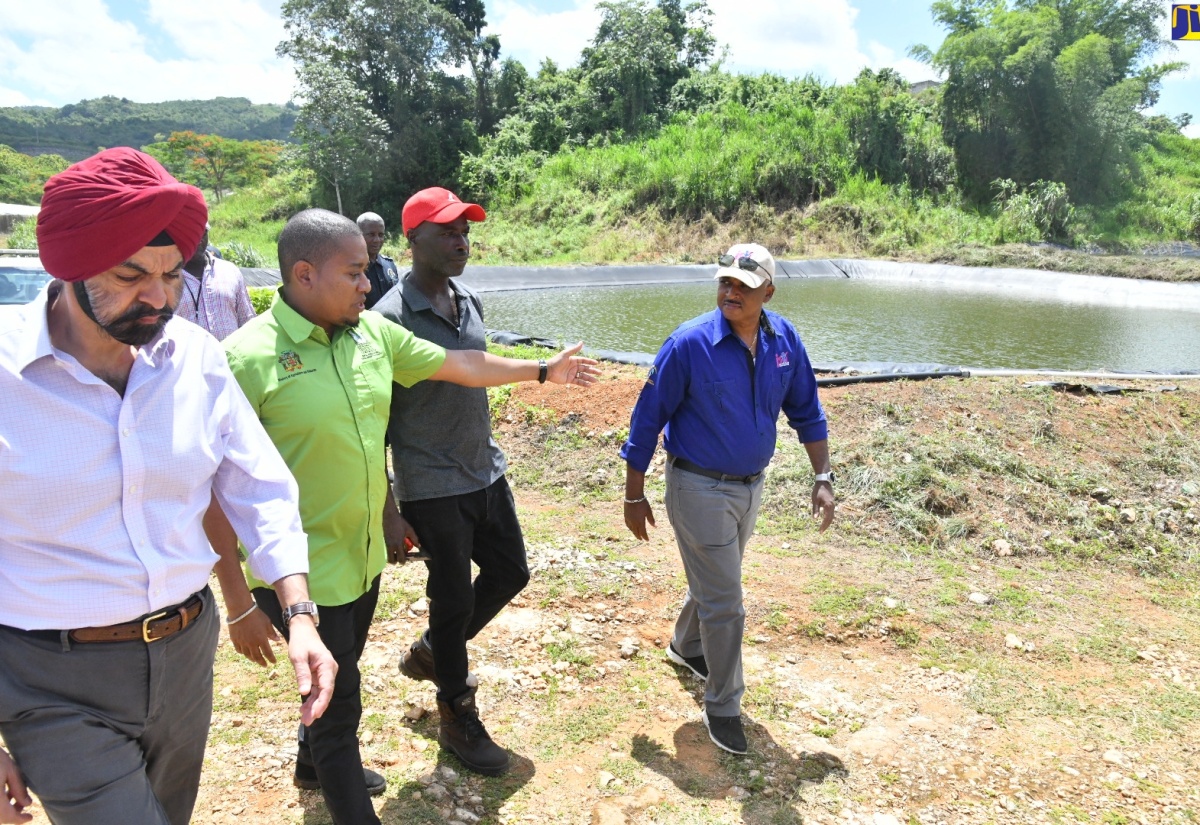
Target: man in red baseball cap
[[450, 475]]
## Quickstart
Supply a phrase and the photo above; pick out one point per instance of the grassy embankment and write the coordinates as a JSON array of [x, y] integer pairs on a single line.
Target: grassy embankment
[[784, 176], [686, 193]]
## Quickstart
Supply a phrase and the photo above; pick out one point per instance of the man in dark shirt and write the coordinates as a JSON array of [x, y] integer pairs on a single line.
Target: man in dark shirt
[[449, 475], [382, 271], [717, 386]]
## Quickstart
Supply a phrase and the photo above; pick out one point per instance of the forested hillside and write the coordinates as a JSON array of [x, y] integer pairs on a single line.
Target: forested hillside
[[80, 129]]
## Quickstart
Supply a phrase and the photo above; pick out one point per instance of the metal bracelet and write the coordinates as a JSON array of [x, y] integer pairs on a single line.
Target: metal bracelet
[[634, 500], [231, 622]]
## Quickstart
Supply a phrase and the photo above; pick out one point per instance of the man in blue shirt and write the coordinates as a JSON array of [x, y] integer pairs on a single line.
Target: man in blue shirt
[[716, 387], [382, 271]]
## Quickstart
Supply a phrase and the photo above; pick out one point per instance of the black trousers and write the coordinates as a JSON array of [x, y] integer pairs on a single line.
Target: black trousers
[[332, 740], [478, 527]]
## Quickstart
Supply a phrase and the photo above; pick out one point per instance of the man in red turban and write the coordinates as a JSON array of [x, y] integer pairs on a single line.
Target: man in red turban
[[119, 425]]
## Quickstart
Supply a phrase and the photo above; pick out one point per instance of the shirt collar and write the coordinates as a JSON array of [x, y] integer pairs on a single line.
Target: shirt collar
[[35, 334], [415, 298], [297, 327], [35, 327], [722, 330]]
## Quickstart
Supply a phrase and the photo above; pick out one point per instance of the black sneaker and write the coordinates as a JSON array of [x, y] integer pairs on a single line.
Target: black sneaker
[[305, 778], [695, 664], [726, 732]]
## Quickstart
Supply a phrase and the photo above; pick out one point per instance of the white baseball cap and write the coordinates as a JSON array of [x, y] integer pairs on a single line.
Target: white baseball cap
[[749, 263]]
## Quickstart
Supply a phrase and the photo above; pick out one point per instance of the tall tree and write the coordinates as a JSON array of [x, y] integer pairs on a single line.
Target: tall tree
[[400, 55], [640, 51], [1047, 89], [342, 138]]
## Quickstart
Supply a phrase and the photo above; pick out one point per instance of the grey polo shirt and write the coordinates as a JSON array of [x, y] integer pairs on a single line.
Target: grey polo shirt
[[441, 433]]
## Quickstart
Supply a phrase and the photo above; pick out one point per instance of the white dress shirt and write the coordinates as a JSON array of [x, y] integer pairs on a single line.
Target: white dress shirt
[[102, 495], [219, 302]]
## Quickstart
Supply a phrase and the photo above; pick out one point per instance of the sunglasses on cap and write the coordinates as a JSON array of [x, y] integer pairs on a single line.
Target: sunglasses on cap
[[746, 263]]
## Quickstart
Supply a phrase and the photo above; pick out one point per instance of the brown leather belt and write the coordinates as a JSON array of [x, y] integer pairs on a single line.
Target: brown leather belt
[[158, 625]]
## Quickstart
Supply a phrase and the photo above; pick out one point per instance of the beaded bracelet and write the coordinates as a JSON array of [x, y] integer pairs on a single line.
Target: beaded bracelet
[[634, 500], [231, 622]]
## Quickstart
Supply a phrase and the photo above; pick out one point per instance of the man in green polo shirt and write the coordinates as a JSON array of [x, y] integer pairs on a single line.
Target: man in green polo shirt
[[318, 369]]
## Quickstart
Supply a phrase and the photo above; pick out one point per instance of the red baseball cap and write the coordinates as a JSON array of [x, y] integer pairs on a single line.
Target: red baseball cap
[[439, 206]]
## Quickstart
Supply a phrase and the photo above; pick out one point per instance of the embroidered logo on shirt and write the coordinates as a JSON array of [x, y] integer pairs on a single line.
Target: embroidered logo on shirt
[[290, 361], [650, 376], [366, 348], [781, 359]]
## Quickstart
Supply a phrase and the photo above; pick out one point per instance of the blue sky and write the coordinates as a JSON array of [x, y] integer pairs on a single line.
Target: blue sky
[[150, 50]]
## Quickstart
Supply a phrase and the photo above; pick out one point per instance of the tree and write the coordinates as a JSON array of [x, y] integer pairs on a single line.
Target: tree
[[216, 163], [341, 136], [1047, 89], [639, 53], [398, 55]]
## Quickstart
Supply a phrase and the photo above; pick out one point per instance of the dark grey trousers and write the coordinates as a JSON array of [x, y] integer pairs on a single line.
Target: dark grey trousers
[[114, 733], [713, 520]]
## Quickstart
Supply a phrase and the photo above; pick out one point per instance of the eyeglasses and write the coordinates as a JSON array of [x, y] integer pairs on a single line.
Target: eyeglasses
[[745, 262]]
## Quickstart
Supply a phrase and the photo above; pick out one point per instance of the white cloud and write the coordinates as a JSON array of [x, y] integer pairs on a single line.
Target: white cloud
[[1192, 130], [218, 48], [530, 35], [779, 36]]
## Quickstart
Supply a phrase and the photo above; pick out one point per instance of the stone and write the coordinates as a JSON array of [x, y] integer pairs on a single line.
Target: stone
[[890, 604], [884, 819], [1115, 757], [1002, 548], [606, 813], [979, 598], [420, 606], [604, 779], [415, 713]]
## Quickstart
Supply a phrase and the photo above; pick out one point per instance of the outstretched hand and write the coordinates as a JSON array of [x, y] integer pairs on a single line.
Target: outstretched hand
[[569, 368]]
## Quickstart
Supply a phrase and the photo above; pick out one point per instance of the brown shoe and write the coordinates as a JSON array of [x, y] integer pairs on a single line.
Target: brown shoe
[[417, 663], [464, 735]]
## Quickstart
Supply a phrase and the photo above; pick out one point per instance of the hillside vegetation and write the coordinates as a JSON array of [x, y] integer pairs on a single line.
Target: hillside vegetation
[[80, 129]]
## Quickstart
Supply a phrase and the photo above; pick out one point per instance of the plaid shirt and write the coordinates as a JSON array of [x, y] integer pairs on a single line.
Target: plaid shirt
[[220, 302]]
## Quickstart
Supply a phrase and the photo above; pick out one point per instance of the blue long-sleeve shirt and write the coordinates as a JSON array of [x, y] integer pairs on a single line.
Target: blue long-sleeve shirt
[[717, 408]]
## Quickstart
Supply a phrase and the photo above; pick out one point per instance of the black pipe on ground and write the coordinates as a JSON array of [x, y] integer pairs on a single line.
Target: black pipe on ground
[[879, 378]]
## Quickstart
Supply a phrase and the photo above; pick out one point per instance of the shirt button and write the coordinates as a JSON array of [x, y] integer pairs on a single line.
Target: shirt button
[[133, 488], [125, 431]]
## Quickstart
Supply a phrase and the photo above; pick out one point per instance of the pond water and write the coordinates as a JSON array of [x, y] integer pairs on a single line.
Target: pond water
[[856, 320]]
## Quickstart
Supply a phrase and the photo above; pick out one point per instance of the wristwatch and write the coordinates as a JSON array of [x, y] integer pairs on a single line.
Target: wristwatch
[[301, 609], [824, 477]]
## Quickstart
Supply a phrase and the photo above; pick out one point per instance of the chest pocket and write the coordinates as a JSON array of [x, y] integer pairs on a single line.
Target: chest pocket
[[719, 395], [779, 385]]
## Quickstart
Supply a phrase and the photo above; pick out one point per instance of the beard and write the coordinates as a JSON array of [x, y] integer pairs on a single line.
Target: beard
[[126, 327]]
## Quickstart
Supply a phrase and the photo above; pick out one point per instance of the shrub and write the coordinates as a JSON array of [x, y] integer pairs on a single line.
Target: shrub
[[244, 255], [24, 234], [261, 297]]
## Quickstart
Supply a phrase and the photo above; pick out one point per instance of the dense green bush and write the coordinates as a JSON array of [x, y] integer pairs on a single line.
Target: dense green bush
[[261, 298], [24, 234]]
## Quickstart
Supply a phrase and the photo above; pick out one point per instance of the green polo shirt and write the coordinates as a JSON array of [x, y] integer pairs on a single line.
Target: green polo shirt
[[325, 403]]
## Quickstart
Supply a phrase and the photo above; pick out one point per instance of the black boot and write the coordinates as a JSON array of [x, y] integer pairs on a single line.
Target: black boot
[[463, 734]]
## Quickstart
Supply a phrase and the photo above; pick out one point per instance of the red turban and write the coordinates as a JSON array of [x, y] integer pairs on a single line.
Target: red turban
[[102, 210]]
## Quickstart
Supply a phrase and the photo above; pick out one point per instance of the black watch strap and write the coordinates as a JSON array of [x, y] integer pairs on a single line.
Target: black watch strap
[[543, 370]]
